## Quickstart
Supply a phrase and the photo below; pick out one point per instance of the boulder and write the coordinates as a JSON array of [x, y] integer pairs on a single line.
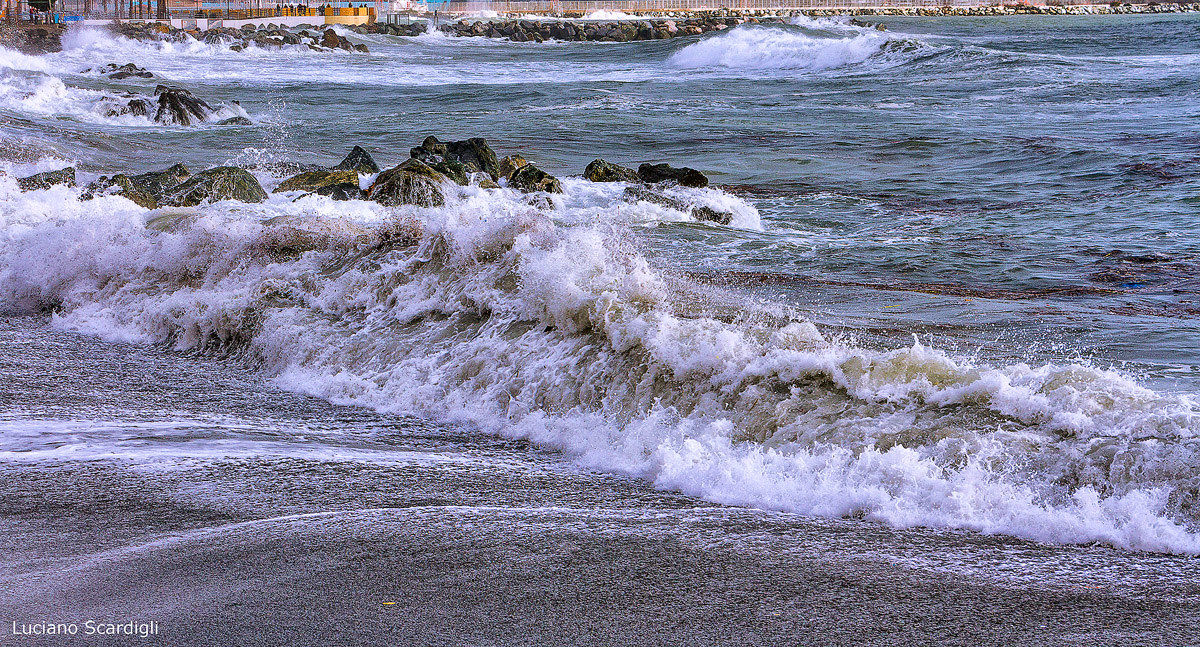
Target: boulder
[[456, 171], [602, 171], [48, 179], [135, 107], [474, 154], [530, 178], [683, 175], [510, 164], [337, 184], [221, 183], [412, 182], [178, 106], [359, 161], [118, 72], [145, 189], [704, 214], [235, 121], [123, 185], [642, 194], [708, 214], [330, 39]]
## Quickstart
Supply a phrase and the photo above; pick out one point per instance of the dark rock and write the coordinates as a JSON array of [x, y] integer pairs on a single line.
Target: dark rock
[[135, 107], [474, 154], [642, 194], [48, 179], [510, 164], [705, 214], [708, 214], [330, 39], [602, 171], [683, 175], [530, 178], [235, 121], [145, 189], [412, 182], [178, 106], [221, 183], [359, 161], [452, 169], [359, 47], [125, 187], [125, 71], [337, 184]]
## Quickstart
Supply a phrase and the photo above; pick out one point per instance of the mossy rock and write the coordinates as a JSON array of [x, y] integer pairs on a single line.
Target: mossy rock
[[48, 179], [602, 171], [510, 164], [530, 178], [412, 182], [339, 185], [221, 183], [145, 189], [682, 175], [359, 161]]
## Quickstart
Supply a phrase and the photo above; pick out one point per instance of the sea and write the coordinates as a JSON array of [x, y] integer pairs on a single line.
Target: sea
[[953, 323]]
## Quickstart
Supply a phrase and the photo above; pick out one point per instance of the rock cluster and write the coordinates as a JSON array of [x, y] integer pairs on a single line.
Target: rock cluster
[[420, 180], [146, 190], [605, 31], [171, 105], [178, 187], [269, 37], [48, 179], [403, 29], [39, 39], [118, 72], [1011, 9]]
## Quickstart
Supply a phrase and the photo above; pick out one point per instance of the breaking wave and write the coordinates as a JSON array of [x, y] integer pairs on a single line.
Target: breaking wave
[[549, 325], [806, 45]]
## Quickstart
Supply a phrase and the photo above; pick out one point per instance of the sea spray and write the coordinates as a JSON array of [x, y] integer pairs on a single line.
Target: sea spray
[[783, 48]]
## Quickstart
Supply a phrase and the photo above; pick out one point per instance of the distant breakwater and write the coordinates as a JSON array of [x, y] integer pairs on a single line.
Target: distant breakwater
[[688, 23]]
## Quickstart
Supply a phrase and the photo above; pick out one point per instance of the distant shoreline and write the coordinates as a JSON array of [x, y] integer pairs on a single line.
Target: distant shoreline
[[597, 25], [1009, 9]]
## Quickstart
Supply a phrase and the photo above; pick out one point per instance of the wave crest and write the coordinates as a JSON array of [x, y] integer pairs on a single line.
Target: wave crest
[[778, 48], [488, 311]]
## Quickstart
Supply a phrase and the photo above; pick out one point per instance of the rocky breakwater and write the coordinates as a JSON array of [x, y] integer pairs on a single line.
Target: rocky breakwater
[[1116, 8], [393, 29], [31, 39], [602, 31], [427, 178], [268, 37]]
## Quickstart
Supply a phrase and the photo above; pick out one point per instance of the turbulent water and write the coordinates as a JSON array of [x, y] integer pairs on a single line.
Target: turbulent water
[[959, 289]]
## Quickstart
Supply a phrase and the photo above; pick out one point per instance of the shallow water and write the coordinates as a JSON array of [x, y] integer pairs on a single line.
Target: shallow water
[[959, 290]]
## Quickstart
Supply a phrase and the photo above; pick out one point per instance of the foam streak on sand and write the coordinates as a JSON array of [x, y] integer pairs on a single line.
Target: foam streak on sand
[[486, 311]]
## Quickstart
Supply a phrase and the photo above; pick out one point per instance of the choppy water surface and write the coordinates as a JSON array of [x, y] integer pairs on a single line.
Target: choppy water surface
[[960, 289]]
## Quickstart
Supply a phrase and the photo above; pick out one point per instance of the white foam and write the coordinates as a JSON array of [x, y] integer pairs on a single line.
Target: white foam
[[560, 332], [777, 48], [604, 14]]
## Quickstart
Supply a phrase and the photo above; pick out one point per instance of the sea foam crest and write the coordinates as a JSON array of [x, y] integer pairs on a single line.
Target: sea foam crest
[[814, 45], [489, 311]]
